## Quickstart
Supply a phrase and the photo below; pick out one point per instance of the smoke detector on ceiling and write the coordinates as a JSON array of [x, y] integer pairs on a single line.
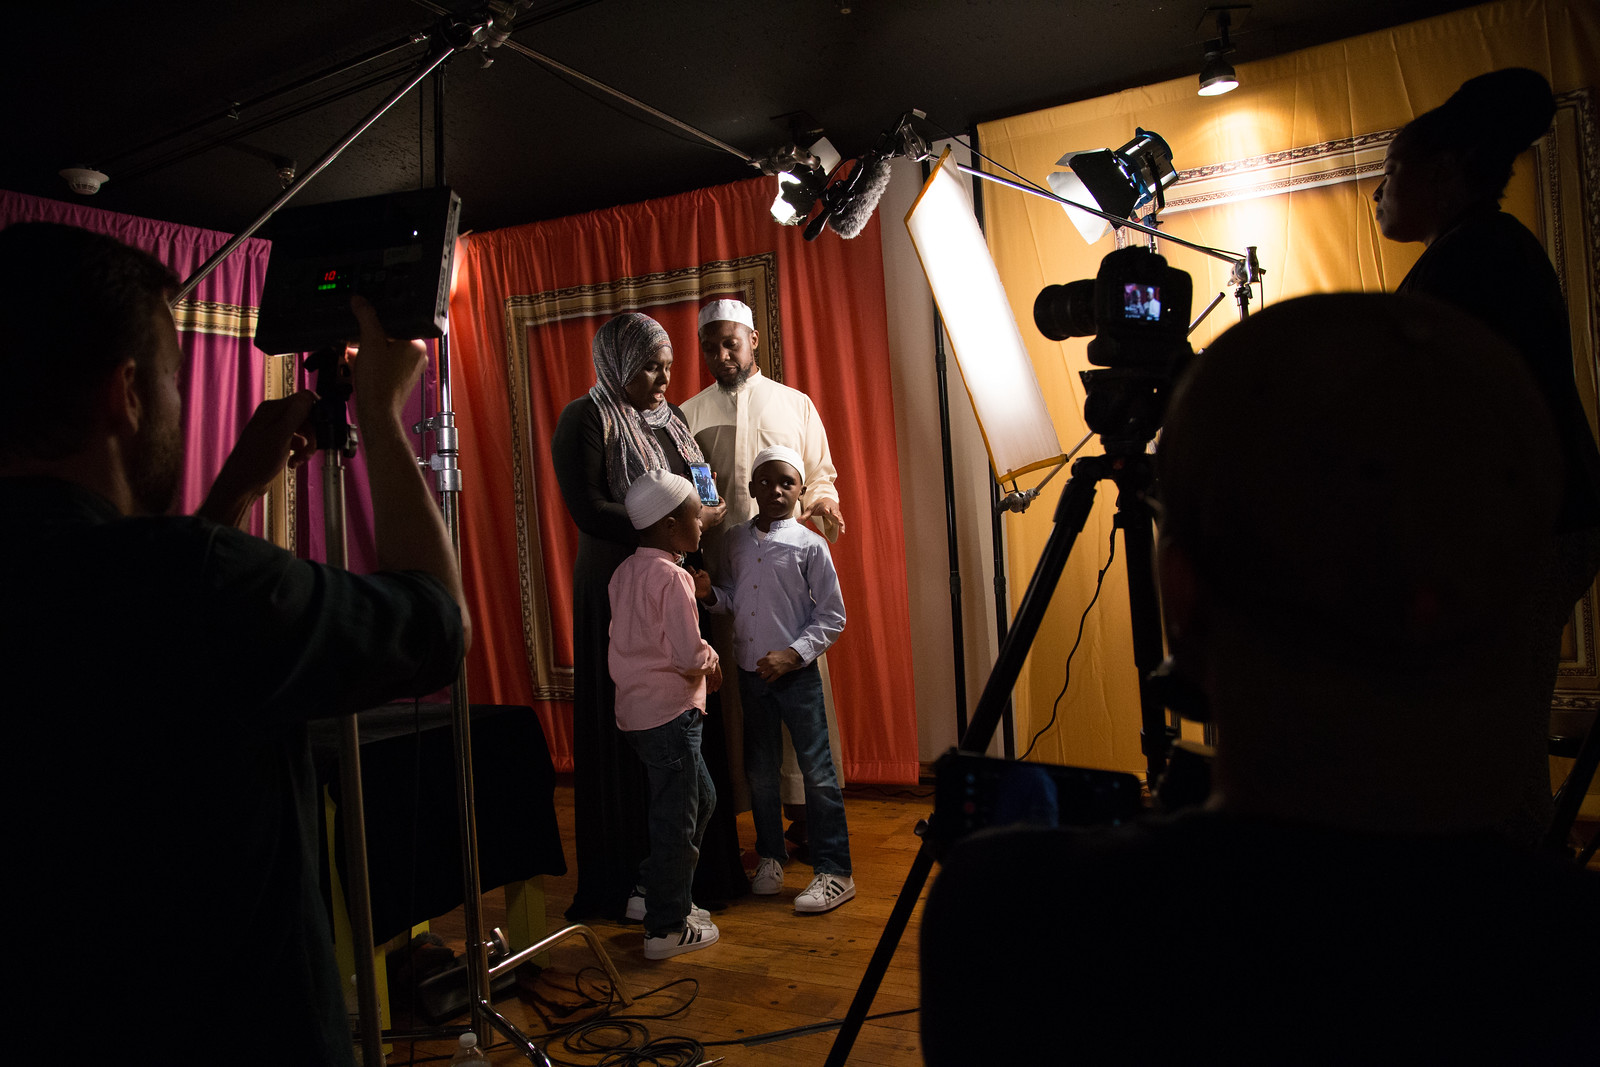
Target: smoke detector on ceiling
[[83, 180]]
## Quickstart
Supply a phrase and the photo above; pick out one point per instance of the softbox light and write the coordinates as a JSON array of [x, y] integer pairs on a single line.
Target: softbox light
[[994, 363]]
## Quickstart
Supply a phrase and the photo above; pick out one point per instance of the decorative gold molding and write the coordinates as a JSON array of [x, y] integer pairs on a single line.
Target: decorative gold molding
[[754, 278], [1567, 163], [278, 506], [211, 317], [1343, 159]]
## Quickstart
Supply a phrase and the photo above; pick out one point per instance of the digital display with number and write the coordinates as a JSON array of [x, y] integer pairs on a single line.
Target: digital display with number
[[396, 250]]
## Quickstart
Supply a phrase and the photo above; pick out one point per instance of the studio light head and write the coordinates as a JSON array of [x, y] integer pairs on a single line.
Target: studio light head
[[1118, 182], [802, 170]]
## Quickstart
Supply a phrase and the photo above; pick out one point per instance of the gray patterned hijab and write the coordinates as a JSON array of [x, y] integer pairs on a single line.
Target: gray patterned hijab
[[621, 347]]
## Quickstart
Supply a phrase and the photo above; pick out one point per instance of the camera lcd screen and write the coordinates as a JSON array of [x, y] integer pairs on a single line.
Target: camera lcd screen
[[1141, 303]]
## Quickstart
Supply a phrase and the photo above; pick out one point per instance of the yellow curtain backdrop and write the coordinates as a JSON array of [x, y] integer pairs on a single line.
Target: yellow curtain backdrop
[[1287, 162]]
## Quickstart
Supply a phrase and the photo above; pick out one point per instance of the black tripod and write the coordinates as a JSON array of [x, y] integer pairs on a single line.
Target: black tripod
[[1126, 464]]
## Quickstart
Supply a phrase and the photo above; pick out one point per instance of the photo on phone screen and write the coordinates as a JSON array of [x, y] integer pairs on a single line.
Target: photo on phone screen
[[704, 483]]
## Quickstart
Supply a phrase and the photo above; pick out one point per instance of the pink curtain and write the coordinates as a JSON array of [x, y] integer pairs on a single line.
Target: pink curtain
[[224, 375], [526, 304]]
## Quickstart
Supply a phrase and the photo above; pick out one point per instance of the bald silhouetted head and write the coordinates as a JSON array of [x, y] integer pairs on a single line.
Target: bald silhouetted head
[[1357, 493]]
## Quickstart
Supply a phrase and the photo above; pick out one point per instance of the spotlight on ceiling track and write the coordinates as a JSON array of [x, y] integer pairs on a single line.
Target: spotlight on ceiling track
[[83, 180], [802, 168], [1217, 75]]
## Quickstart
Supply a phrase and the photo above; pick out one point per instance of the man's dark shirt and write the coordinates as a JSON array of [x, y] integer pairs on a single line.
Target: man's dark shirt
[[1212, 938], [159, 673]]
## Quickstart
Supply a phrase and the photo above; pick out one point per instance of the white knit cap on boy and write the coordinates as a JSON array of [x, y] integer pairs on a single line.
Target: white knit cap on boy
[[654, 495], [727, 311], [788, 455]]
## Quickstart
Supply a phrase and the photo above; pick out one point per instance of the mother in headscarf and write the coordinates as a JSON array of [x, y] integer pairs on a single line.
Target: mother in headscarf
[[604, 440]]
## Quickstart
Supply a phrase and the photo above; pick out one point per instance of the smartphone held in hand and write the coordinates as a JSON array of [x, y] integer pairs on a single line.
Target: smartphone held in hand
[[704, 484]]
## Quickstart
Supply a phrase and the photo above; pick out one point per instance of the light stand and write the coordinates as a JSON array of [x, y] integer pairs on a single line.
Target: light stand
[[337, 441]]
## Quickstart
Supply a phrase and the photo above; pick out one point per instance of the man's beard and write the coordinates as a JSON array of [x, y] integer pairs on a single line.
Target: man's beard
[[155, 467], [740, 378]]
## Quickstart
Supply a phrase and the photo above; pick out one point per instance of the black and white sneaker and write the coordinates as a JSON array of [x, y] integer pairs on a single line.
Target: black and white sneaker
[[826, 892], [696, 934], [635, 908]]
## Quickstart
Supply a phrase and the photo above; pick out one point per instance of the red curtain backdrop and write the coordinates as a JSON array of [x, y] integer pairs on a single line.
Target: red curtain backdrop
[[526, 303], [224, 375]]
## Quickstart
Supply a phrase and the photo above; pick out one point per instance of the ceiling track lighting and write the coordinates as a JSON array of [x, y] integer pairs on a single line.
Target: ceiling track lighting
[[1217, 75]]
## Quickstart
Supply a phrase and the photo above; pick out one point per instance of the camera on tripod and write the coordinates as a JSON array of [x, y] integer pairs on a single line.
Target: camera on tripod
[[1136, 309]]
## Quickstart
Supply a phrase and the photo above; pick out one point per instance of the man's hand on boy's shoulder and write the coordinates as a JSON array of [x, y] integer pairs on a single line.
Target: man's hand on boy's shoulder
[[776, 664]]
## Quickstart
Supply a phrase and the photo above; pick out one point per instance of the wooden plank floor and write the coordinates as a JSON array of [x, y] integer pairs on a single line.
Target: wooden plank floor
[[771, 970]]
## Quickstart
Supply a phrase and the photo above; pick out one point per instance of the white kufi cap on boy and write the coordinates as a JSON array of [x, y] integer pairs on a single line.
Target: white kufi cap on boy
[[788, 455], [654, 495]]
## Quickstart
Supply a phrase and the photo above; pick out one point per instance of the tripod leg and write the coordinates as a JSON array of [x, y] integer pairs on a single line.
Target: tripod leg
[[1155, 733], [879, 966], [1072, 511]]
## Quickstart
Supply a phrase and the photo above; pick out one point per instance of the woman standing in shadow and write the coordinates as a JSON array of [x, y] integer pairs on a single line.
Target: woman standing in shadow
[[604, 440], [1443, 179]]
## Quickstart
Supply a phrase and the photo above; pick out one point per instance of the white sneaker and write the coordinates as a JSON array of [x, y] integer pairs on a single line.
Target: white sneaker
[[826, 892], [695, 935], [635, 909], [768, 878]]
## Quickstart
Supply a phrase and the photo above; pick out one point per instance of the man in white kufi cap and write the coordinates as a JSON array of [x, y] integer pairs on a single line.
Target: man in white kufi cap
[[733, 419]]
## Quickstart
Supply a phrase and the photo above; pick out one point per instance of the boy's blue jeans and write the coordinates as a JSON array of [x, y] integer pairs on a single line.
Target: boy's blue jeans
[[795, 701], [681, 800]]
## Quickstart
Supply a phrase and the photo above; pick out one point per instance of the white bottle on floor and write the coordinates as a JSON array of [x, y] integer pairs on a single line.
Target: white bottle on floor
[[469, 1052]]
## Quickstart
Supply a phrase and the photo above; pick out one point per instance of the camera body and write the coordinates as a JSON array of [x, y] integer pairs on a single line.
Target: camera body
[[1136, 309]]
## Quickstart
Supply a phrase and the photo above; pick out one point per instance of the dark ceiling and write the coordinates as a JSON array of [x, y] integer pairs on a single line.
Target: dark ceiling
[[143, 91]]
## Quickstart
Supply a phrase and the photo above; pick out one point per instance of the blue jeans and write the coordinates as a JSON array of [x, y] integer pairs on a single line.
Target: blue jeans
[[795, 701], [681, 800]]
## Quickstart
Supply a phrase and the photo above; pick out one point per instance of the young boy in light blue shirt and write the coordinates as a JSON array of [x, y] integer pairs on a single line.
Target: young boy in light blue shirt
[[784, 595]]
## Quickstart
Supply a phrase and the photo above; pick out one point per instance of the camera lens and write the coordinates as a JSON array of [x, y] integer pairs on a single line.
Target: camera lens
[[1063, 311]]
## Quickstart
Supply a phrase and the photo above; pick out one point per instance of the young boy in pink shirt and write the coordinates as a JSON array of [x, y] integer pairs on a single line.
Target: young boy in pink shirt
[[662, 668]]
